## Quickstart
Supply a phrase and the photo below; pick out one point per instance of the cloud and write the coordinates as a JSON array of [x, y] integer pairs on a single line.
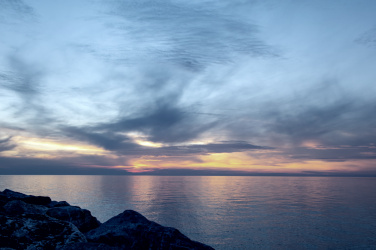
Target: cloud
[[124, 145], [180, 35], [67, 166], [311, 122], [339, 154], [204, 149], [325, 114], [342, 131], [190, 35], [159, 119], [219, 172], [24, 84], [6, 144], [368, 38], [175, 72], [165, 122], [107, 140], [333, 124], [15, 10], [326, 120], [24, 78], [14, 166]]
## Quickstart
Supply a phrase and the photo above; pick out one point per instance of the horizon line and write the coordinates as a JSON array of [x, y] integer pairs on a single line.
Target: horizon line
[[208, 175]]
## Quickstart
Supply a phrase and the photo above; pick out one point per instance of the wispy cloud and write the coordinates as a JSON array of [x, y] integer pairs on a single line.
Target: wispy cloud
[[124, 145], [368, 38], [6, 144], [186, 34], [24, 82], [189, 79], [14, 10]]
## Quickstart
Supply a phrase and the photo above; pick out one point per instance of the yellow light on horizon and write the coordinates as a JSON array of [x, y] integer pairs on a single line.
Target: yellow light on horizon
[[58, 146], [36, 144]]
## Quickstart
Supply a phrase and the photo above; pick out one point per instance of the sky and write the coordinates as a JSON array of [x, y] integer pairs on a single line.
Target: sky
[[200, 87]]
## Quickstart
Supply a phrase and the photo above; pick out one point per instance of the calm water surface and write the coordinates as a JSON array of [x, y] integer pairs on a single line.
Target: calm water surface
[[229, 212]]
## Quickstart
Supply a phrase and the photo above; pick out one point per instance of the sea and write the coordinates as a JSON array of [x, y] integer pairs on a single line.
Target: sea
[[228, 212]]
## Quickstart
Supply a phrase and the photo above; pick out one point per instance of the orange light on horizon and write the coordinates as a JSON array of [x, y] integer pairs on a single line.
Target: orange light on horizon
[[241, 161], [260, 161]]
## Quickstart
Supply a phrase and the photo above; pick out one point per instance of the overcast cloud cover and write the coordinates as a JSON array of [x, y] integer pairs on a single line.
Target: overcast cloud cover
[[179, 87]]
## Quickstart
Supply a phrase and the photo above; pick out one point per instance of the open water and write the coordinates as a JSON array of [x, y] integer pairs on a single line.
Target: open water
[[229, 212]]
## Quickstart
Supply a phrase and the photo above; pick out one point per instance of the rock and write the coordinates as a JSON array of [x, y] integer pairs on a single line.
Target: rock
[[3, 200], [36, 200], [87, 246], [2, 212], [18, 207], [13, 195], [131, 230], [81, 218], [36, 231], [35, 222], [58, 204]]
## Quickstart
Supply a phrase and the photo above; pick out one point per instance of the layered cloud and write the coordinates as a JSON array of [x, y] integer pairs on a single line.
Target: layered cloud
[[155, 85], [6, 144], [188, 34]]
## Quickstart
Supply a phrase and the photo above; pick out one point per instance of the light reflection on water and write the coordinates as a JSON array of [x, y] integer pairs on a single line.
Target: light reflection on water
[[229, 212]]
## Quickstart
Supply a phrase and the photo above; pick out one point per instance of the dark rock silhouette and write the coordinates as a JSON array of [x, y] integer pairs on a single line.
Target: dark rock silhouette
[[131, 230], [36, 231], [18, 207], [37, 222], [88, 246], [81, 218], [58, 204], [31, 199]]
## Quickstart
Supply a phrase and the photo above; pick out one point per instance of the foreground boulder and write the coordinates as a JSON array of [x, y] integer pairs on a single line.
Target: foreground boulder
[[58, 204], [35, 231], [81, 218], [31, 199], [37, 222], [88, 246], [131, 230], [18, 207]]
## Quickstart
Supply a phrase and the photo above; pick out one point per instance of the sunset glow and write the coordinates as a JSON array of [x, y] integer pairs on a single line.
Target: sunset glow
[[41, 145]]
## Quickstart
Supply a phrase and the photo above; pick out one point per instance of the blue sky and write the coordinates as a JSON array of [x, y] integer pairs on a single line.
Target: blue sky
[[134, 86]]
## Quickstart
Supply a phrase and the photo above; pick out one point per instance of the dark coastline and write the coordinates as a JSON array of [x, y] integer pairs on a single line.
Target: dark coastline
[[38, 222]]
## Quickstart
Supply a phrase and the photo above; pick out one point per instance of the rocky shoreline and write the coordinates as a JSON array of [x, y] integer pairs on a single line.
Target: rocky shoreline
[[37, 222]]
